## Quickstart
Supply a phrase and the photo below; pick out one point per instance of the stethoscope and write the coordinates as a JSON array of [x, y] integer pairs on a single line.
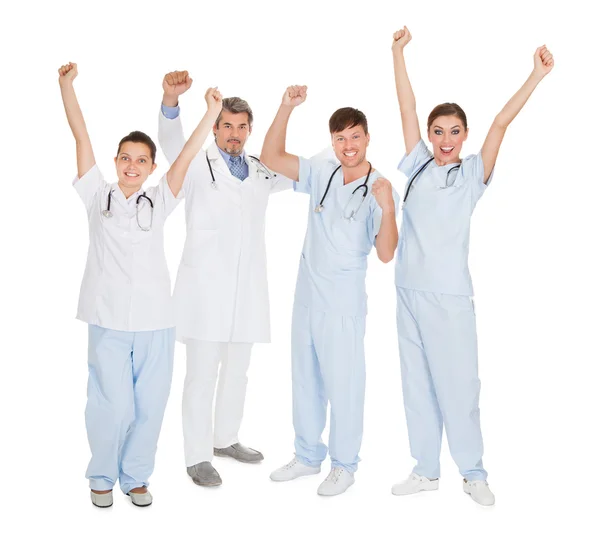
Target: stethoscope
[[364, 186], [417, 174], [261, 168], [108, 213]]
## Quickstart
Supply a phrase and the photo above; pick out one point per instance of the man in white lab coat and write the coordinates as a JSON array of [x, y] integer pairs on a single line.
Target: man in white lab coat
[[221, 296]]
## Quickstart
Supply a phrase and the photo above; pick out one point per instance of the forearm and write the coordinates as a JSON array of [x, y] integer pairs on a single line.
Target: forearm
[[387, 238], [406, 100], [516, 103], [170, 100], [274, 143], [85, 154], [179, 169], [404, 91]]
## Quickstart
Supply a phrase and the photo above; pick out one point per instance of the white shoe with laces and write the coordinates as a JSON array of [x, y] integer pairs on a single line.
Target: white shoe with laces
[[338, 481], [415, 483], [479, 491], [293, 469]]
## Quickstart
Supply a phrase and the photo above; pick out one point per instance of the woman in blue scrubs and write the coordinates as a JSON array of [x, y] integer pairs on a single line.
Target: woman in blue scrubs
[[435, 317]]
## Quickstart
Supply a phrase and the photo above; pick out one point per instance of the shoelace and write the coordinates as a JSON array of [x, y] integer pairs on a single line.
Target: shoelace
[[335, 474], [289, 465]]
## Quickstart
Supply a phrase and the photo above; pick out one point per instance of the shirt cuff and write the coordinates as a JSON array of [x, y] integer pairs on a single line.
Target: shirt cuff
[[170, 112]]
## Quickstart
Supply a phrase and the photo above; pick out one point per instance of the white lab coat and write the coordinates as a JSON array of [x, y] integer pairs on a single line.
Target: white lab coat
[[221, 292], [126, 285]]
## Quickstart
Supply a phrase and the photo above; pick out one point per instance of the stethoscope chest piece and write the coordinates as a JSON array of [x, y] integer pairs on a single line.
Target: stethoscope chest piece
[[319, 208], [107, 213]]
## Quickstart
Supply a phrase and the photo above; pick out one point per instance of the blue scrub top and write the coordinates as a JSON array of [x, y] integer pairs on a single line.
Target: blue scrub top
[[333, 264], [433, 248]]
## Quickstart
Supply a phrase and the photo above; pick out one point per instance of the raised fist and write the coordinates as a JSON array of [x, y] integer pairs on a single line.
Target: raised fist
[[543, 61], [67, 73], [294, 95], [382, 192], [175, 84], [401, 39], [214, 100]]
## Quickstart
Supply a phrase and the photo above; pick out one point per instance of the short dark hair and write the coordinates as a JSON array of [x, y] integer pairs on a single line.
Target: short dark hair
[[142, 138], [236, 105], [447, 109], [344, 118]]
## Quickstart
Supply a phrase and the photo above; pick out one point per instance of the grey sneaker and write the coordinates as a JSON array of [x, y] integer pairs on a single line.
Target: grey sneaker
[[204, 474], [140, 499], [240, 452], [102, 500]]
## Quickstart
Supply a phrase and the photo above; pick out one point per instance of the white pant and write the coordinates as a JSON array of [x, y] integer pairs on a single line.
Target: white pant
[[203, 360]]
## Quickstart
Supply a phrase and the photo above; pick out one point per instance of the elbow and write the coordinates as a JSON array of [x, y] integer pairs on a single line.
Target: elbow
[[267, 158], [386, 257], [501, 123]]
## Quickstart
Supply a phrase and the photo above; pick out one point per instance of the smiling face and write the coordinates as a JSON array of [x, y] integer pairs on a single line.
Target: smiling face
[[232, 132], [349, 136], [350, 146], [447, 134], [134, 164]]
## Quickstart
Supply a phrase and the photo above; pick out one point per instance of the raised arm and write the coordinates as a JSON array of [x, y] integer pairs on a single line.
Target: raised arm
[[170, 130], [178, 170], [406, 97], [387, 237], [85, 154], [543, 63], [273, 152]]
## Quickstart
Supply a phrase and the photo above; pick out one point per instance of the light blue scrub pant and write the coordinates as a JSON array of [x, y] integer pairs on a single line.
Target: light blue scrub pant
[[438, 361], [128, 388], [328, 363]]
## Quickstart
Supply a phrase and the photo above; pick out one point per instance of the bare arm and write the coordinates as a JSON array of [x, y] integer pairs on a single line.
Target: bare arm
[[543, 63], [83, 145], [387, 237], [273, 152], [177, 172], [406, 97]]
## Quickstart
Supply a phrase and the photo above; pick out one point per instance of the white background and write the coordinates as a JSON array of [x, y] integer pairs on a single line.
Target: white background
[[533, 257]]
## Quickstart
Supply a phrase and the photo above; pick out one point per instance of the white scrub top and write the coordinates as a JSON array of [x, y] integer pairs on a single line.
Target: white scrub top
[[433, 248], [333, 264], [126, 285]]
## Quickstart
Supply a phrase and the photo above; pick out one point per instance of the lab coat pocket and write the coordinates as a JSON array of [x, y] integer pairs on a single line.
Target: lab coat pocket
[[200, 248]]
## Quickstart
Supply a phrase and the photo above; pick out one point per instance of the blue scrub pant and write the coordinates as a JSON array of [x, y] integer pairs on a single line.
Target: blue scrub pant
[[438, 360], [128, 388], [328, 364]]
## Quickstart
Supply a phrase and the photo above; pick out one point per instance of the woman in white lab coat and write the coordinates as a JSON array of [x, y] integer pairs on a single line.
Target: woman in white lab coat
[[125, 299], [435, 316]]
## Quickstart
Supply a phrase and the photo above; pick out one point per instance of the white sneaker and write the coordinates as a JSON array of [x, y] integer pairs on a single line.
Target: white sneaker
[[415, 483], [479, 491], [294, 469], [338, 481]]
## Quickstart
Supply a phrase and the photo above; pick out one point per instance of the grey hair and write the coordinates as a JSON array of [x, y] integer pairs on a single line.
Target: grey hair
[[236, 105]]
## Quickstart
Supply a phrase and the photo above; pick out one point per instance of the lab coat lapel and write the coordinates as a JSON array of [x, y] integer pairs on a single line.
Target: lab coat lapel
[[227, 184], [218, 163]]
